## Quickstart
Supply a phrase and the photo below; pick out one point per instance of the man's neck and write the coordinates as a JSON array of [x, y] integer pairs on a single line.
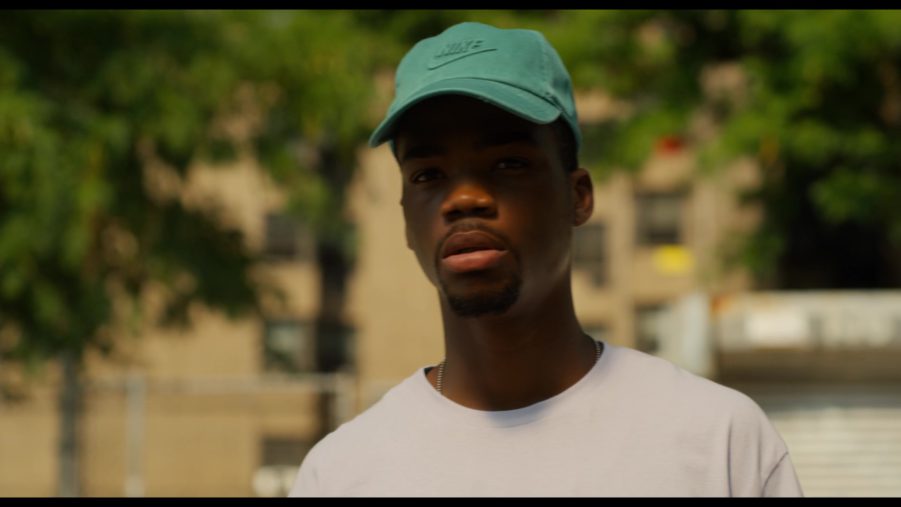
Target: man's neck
[[532, 352]]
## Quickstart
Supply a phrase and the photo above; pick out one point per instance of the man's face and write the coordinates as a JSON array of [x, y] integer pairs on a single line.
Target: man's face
[[489, 209]]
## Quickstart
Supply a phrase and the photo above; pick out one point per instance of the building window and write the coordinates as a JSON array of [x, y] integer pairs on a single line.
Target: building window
[[279, 463], [286, 238], [590, 251], [288, 346], [647, 331], [659, 218]]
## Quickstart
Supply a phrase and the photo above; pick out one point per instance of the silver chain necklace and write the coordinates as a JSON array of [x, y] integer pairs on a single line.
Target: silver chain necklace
[[440, 382]]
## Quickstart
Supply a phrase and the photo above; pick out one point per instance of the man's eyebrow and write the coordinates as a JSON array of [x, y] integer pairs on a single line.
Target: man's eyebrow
[[422, 150]]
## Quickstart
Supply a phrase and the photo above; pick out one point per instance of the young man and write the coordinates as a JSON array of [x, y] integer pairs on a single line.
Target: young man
[[484, 129]]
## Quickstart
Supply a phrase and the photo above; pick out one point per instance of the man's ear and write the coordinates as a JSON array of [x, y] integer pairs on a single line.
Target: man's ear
[[583, 195]]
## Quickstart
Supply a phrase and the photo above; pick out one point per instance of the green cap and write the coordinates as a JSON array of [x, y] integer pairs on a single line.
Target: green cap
[[515, 70]]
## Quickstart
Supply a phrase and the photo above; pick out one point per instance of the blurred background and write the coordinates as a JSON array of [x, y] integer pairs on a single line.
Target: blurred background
[[203, 267]]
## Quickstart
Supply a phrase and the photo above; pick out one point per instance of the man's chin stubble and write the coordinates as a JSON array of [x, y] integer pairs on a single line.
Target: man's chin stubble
[[485, 303]]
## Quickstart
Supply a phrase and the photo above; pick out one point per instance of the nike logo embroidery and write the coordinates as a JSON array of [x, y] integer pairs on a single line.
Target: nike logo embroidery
[[454, 51]]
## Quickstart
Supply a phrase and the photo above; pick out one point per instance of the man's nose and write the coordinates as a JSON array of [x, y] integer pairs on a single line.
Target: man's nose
[[469, 198]]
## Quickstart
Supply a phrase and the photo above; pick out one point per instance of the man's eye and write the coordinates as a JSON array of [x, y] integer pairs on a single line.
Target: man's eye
[[425, 175]]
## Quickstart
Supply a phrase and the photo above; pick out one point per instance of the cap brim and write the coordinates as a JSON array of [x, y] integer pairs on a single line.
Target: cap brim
[[509, 98]]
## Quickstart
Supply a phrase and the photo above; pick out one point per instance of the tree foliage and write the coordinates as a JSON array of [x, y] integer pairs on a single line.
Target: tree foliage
[[818, 106], [87, 101], [102, 116]]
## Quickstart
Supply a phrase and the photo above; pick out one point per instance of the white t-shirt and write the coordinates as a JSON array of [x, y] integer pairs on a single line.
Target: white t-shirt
[[634, 425]]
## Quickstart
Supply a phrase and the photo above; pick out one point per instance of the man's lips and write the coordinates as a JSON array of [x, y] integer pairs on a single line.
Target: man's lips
[[471, 251]]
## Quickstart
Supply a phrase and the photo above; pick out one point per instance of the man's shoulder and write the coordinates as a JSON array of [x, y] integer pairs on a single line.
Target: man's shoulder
[[696, 410], [362, 443], [374, 423], [654, 377]]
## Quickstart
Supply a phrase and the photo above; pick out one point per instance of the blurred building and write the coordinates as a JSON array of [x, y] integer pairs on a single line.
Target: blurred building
[[824, 365], [229, 408], [208, 411]]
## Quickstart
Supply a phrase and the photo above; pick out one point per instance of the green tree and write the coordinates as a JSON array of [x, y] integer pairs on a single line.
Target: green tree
[[93, 102], [317, 72], [88, 100], [819, 108]]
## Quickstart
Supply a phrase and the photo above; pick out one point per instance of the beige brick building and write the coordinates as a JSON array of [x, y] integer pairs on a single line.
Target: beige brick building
[[209, 412]]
